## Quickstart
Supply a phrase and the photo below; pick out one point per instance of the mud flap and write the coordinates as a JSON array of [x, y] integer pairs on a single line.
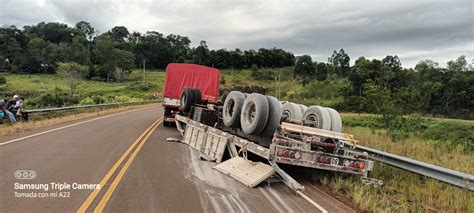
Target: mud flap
[[247, 172]]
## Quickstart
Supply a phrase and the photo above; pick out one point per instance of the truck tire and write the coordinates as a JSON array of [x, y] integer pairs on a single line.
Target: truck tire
[[291, 110], [232, 109], [303, 108], [186, 100], [318, 117], [254, 114], [274, 116], [336, 122], [197, 96]]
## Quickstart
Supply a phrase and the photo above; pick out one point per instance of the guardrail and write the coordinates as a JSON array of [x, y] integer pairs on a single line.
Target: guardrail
[[74, 108], [453, 177]]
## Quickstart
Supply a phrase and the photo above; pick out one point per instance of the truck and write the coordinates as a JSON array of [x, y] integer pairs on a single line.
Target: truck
[[204, 82], [256, 127]]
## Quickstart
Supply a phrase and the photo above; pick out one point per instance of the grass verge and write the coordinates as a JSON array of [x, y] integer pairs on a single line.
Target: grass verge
[[403, 191]]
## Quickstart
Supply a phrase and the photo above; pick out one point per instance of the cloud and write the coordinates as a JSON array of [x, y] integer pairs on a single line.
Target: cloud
[[413, 30]]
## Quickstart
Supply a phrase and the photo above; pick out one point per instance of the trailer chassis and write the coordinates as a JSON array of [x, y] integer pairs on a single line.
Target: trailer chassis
[[291, 144]]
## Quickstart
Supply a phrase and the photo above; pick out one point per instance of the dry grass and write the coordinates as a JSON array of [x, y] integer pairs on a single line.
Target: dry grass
[[416, 148], [403, 191], [6, 129]]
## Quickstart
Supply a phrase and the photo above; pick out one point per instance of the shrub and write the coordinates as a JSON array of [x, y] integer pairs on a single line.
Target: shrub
[[452, 132], [402, 127], [3, 80], [142, 87], [261, 74], [222, 81], [87, 101], [55, 99], [362, 121], [98, 99], [123, 98]]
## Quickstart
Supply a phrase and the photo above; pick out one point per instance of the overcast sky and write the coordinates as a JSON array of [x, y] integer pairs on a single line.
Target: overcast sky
[[412, 29]]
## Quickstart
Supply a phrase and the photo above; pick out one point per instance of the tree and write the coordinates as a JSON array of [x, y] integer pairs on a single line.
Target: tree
[[458, 65], [321, 71], [119, 33], [200, 54], [72, 72], [53, 32], [110, 59], [304, 68], [380, 101], [391, 74], [87, 29], [340, 62], [12, 41], [78, 51], [391, 61]]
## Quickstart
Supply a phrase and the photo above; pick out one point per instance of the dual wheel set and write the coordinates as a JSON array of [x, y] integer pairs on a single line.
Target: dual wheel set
[[257, 114]]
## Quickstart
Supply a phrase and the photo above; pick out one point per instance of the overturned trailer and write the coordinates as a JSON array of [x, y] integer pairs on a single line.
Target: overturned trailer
[[292, 143]]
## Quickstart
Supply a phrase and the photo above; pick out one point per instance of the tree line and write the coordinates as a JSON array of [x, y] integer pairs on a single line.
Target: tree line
[[384, 87], [39, 48], [380, 86]]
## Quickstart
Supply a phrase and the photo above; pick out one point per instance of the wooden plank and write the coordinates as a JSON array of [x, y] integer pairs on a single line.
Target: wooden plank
[[201, 139], [247, 172], [187, 136], [232, 150], [221, 149]]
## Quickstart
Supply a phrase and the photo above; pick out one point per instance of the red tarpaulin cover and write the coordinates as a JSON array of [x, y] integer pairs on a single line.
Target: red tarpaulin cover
[[180, 76]]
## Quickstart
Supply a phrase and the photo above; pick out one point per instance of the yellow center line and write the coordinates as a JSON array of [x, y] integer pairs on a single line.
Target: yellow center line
[[112, 170], [118, 178]]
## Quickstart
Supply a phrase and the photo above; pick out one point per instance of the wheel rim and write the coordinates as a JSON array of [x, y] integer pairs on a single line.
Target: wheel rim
[[312, 120], [229, 110], [251, 112], [183, 99]]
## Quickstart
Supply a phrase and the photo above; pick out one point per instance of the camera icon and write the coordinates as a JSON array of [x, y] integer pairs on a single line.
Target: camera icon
[[25, 174]]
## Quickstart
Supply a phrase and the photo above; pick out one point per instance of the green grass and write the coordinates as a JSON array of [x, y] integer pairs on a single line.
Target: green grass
[[403, 191], [443, 143], [290, 88], [32, 87]]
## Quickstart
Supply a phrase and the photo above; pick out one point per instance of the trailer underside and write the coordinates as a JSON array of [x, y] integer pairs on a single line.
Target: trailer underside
[[292, 144]]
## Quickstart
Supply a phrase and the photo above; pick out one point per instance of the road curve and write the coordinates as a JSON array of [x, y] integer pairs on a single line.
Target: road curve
[[163, 177]]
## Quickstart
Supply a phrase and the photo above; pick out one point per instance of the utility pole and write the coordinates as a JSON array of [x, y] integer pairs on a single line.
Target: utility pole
[[143, 71]]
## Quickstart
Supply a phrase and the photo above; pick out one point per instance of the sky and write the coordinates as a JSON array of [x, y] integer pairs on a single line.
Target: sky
[[414, 30]]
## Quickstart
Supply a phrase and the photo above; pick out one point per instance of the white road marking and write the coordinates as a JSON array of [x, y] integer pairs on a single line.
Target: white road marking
[[312, 202], [64, 127]]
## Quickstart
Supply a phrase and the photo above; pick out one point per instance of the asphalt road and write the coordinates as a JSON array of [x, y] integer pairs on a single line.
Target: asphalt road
[[162, 177]]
